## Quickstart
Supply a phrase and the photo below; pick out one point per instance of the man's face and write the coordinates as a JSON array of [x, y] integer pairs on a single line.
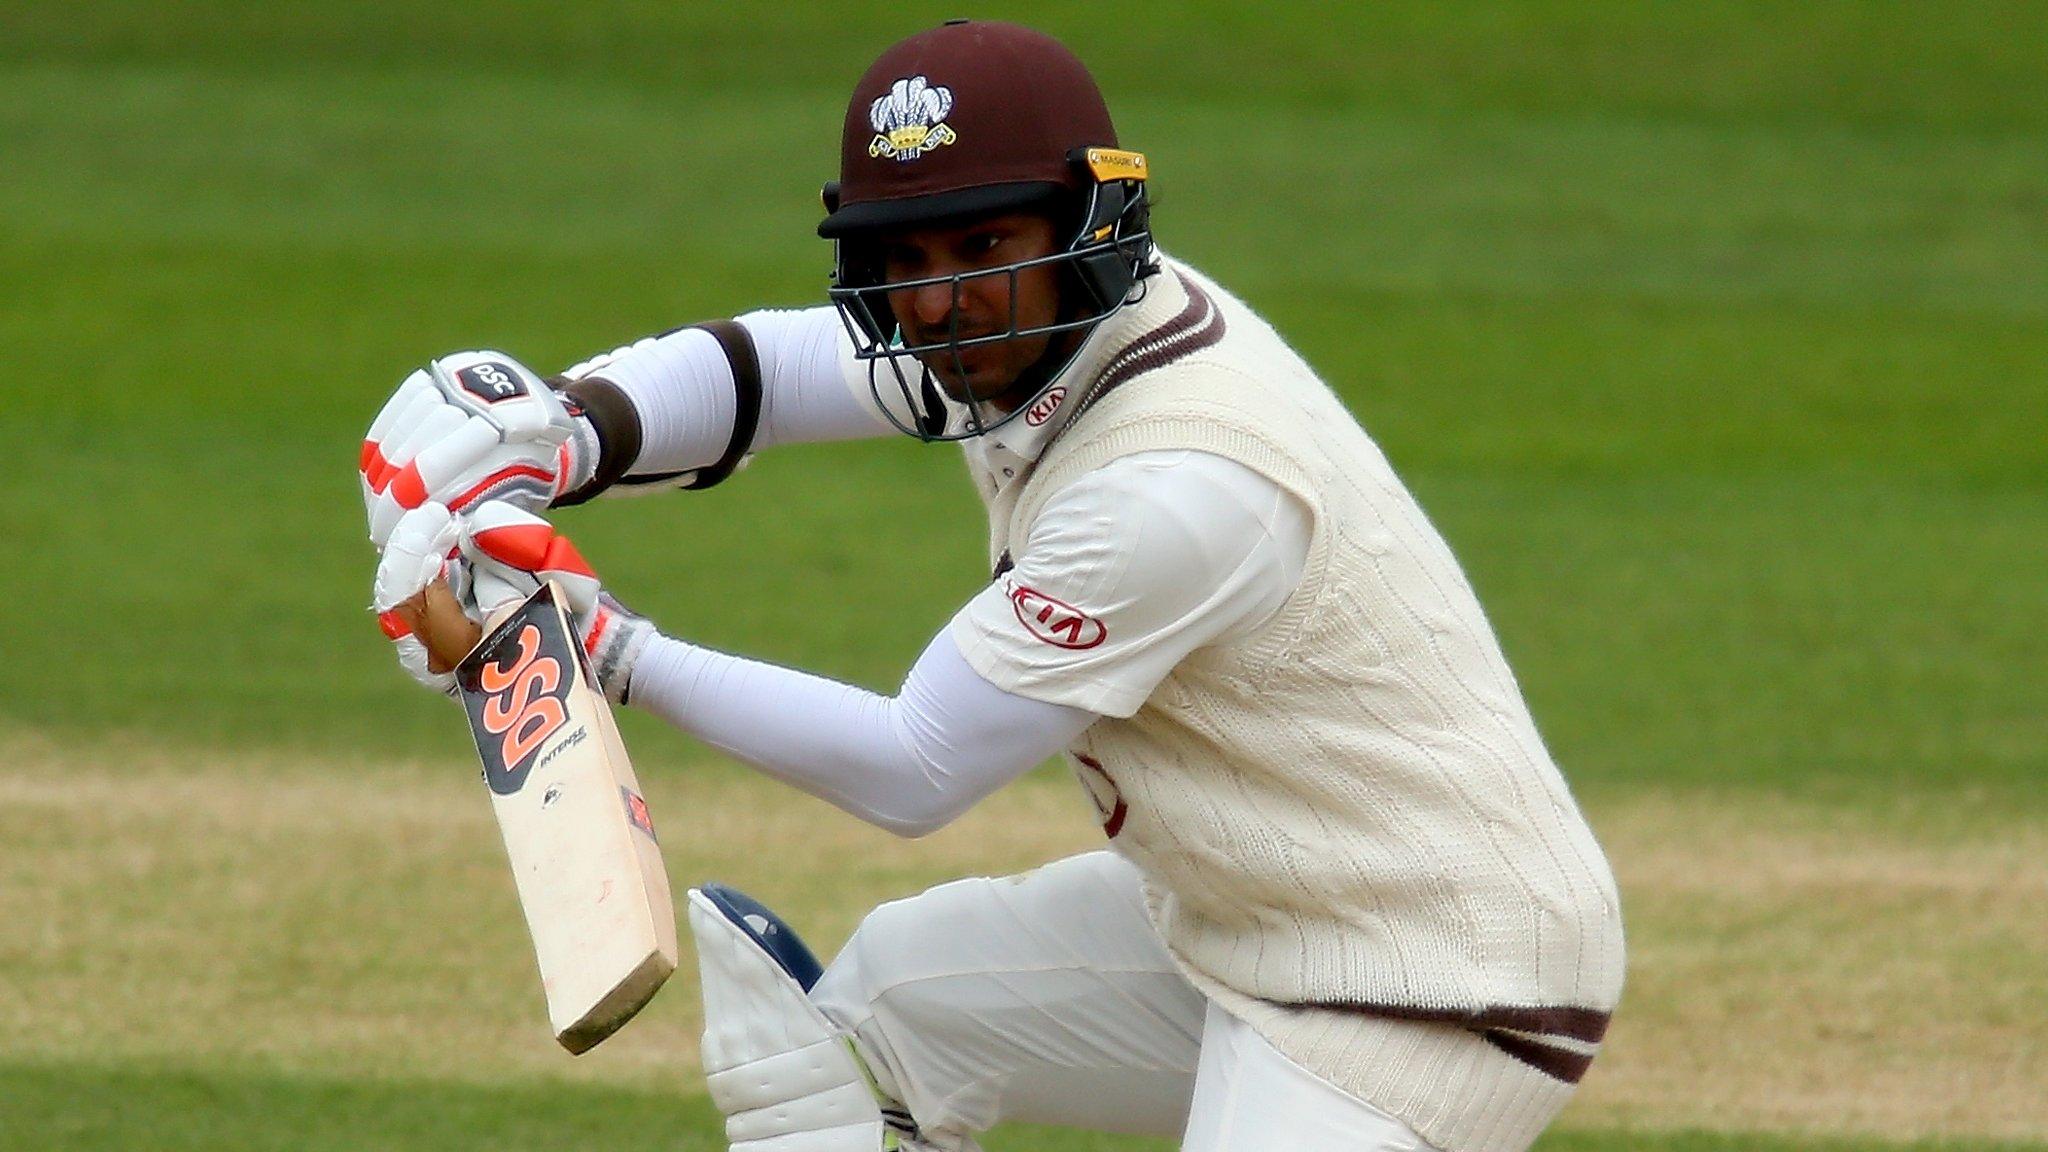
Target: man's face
[[980, 305]]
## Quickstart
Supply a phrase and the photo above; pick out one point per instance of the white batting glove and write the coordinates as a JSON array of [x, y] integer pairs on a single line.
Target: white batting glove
[[468, 428], [423, 548], [510, 551]]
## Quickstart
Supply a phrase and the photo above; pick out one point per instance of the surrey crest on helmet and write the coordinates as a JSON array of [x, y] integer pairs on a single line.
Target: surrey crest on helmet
[[911, 120]]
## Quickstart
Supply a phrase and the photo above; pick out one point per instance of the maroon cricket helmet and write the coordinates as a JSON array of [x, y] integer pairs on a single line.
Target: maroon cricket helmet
[[971, 118], [968, 120]]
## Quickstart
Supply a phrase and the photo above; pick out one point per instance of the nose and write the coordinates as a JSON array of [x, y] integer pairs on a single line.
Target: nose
[[933, 303]]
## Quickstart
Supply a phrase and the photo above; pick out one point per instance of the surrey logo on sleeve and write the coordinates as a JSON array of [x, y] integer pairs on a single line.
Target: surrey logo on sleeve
[[911, 120]]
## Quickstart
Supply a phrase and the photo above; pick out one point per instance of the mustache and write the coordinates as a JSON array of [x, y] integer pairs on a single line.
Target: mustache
[[942, 334]]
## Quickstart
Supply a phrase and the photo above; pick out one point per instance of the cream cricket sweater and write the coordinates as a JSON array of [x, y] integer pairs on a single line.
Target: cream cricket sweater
[[1351, 833]]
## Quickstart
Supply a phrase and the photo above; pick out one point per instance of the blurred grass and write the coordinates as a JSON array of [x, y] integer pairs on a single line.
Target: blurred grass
[[258, 925], [1711, 335], [1971, 65], [58, 1109], [1734, 419]]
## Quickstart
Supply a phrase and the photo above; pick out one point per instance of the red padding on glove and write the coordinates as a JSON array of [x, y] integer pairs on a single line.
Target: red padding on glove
[[522, 546], [563, 557], [408, 489], [462, 502], [370, 460], [533, 548], [394, 627]]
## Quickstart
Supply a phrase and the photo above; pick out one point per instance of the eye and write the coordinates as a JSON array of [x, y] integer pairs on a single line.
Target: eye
[[983, 243], [901, 259]]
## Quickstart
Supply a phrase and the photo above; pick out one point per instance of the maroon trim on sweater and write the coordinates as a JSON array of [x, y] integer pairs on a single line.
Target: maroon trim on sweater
[[1585, 1024], [1197, 326], [1516, 1031], [1557, 1063]]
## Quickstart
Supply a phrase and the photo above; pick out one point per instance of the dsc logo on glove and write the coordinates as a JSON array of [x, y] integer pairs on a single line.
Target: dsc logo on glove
[[490, 382]]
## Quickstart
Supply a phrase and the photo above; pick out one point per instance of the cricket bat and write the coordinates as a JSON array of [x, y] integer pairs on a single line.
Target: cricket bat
[[581, 843]]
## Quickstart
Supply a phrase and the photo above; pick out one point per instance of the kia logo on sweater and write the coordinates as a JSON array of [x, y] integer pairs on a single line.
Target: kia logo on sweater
[[1048, 404], [1055, 621]]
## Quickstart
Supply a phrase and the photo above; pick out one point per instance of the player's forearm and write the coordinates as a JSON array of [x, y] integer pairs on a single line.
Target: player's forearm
[[804, 393], [684, 401], [909, 763]]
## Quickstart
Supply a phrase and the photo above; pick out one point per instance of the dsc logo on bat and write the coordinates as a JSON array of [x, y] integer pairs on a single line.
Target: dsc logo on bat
[[524, 704]]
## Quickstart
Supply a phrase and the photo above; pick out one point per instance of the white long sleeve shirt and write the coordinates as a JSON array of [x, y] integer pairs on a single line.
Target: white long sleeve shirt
[[1127, 570]]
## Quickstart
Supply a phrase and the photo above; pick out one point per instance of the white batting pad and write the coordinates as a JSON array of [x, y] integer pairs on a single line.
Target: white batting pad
[[777, 1068]]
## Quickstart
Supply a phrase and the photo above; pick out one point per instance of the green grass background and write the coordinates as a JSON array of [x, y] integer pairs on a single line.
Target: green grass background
[[1712, 336], [189, 1112]]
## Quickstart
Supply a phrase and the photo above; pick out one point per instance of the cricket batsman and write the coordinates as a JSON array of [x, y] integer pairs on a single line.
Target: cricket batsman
[[1346, 901]]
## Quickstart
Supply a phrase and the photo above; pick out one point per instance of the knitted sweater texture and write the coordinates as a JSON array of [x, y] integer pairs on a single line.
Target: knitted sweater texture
[[1351, 832]]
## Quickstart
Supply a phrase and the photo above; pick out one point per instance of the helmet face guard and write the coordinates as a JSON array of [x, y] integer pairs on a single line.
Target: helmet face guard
[[1103, 268]]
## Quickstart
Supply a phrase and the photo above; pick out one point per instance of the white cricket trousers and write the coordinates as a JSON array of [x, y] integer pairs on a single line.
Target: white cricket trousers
[[1048, 998]]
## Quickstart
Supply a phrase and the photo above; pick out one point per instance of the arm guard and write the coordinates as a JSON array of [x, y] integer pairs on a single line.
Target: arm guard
[[617, 425]]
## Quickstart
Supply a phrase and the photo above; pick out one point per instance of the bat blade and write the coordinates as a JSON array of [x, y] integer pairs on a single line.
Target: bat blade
[[576, 828]]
